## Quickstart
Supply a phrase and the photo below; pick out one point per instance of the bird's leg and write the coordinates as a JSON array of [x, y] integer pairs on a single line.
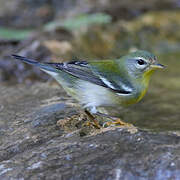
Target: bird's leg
[[116, 121], [92, 118]]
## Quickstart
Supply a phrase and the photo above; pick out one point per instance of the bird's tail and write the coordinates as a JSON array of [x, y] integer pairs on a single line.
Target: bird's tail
[[44, 66]]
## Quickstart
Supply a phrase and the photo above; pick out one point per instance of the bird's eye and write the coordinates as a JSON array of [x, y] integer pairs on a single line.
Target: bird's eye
[[141, 62]]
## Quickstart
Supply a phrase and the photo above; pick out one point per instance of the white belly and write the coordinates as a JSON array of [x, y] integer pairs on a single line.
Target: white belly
[[92, 95]]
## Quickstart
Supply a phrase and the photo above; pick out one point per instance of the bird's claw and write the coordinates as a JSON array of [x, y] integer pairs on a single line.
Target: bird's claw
[[94, 124], [117, 122]]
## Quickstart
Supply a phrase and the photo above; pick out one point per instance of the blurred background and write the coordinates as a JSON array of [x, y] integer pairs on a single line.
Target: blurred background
[[60, 30]]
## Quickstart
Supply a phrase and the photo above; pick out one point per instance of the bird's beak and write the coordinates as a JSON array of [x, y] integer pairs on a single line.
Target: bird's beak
[[157, 66]]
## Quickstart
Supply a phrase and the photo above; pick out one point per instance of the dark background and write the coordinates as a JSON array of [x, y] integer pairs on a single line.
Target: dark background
[[52, 30]]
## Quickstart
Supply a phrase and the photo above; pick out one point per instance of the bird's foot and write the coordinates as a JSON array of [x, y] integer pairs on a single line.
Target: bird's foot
[[94, 124], [92, 121], [117, 122]]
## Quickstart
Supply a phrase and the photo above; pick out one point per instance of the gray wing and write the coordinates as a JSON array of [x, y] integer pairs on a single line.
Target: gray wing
[[82, 70]]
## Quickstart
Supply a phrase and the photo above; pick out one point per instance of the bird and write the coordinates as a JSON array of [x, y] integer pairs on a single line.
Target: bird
[[103, 83]]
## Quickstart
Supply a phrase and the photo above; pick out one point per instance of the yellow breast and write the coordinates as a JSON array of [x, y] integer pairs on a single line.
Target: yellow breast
[[142, 86]]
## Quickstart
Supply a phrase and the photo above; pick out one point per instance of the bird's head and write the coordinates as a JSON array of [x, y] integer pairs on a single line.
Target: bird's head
[[141, 64]]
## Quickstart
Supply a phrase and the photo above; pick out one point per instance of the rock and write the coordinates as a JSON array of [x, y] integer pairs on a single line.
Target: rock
[[33, 146]]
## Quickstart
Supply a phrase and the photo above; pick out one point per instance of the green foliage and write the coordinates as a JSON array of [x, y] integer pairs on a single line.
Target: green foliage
[[80, 21], [6, 33]]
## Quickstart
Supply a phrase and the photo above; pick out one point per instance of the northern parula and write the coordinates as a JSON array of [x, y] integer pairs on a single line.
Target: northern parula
[[101, 83]]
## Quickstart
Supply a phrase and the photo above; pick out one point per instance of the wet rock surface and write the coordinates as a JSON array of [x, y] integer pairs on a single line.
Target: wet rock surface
[[34, 146]]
